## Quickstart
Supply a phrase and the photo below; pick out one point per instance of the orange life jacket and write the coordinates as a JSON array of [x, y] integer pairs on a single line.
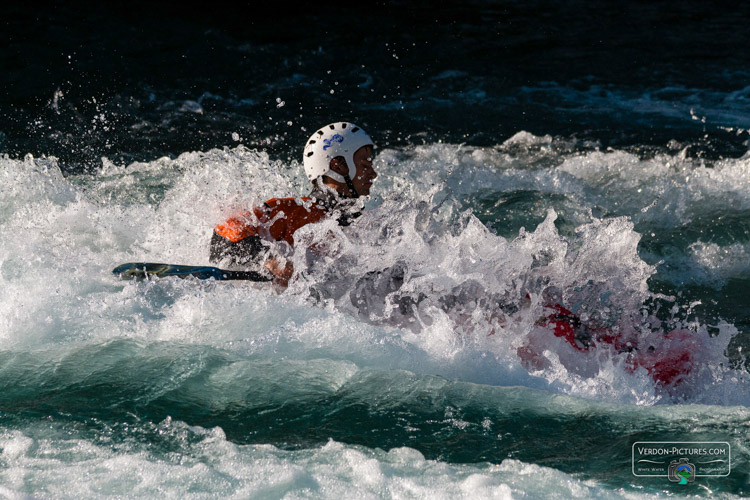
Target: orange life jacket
[[278, 219]]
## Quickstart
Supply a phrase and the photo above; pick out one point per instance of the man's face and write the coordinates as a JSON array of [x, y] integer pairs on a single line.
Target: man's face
[[365, 173]]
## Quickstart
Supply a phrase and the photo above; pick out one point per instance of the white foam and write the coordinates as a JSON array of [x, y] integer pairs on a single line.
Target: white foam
[[67, 234], [727, 259], [53, 464]]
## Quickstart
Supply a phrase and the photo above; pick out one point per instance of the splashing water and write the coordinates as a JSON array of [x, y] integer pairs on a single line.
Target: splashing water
[[443, 278]]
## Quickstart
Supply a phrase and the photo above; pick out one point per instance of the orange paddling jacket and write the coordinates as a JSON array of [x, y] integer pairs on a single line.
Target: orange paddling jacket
[[239, 240]]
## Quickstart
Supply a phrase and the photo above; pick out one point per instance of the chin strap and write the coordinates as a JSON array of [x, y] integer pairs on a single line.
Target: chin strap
[[351, 187], [345, 179]]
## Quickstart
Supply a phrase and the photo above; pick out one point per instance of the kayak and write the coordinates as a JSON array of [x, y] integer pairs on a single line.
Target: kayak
[[667, 358]]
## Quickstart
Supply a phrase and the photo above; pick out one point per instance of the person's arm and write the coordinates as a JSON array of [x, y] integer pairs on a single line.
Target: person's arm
[[238, 243], [243, 252], [281, 269]]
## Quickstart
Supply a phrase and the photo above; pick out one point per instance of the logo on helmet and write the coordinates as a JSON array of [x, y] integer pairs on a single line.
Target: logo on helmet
[[329, 142]]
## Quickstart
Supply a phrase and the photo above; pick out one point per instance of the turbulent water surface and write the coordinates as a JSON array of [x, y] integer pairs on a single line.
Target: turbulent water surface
[[524, 155]]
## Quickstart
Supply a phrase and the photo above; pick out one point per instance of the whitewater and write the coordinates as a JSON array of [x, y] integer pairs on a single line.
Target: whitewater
[[389, 367]]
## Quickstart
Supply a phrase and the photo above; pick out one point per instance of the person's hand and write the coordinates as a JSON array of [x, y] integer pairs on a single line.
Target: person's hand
[[281, 269]]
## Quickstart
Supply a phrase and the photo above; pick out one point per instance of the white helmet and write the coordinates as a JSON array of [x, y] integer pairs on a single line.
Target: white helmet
[[336, 139]]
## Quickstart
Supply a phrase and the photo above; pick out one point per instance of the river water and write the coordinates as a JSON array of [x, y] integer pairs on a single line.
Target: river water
[[522, 151]]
